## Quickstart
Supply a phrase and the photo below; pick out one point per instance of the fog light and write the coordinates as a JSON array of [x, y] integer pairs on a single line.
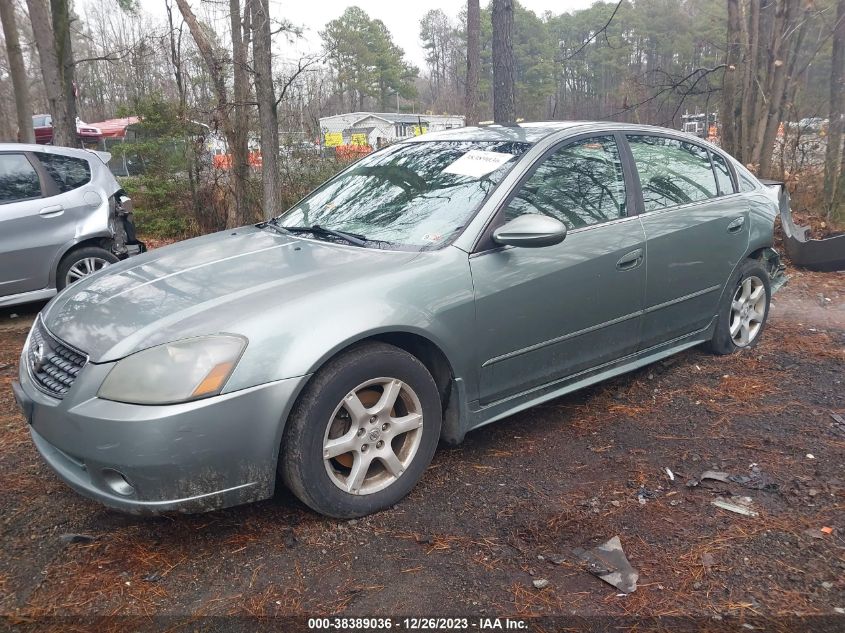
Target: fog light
[[117, 482]]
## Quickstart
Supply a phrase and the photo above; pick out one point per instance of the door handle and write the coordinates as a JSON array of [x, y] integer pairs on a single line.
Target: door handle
[[52, 211], [736, 224], [630, 260]]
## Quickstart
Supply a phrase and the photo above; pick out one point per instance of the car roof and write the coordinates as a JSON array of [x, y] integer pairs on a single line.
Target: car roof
[[54, 149], [520, 132], [535, 131]]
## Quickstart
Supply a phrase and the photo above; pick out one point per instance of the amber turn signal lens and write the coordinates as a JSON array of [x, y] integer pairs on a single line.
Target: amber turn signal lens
[[214, 380]]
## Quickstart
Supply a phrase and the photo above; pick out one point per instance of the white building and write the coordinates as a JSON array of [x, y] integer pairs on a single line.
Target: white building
[[384, 127]]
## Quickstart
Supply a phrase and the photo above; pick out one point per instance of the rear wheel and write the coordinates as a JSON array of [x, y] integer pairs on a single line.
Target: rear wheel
[[362, 433], [81, 263], [744, 310]]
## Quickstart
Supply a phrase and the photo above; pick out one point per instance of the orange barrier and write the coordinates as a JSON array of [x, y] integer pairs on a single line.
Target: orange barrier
[[346, 152], [224, 161]]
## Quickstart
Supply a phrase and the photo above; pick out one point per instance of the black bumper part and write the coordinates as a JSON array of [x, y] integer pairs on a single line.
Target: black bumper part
[[823, 255]]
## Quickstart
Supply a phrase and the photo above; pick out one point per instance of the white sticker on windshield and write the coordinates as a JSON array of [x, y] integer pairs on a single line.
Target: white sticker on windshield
[[477, 163]]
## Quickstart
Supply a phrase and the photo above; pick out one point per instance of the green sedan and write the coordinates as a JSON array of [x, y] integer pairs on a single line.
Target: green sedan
[[432, 287]]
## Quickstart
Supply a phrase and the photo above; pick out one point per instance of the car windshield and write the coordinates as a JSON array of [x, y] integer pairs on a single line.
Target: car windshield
[[411, 196]]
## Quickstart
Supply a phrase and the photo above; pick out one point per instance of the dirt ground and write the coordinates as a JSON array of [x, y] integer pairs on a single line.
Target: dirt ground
[[502, 510]]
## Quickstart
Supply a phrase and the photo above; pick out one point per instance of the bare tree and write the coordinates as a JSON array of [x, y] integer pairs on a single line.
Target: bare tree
[[238, 212], [266, 97], [23, 107], [239, 143], [64, 129], [764, 39], [503, 62], [54, 88], [473, 60], [731, 111], [833, 154]]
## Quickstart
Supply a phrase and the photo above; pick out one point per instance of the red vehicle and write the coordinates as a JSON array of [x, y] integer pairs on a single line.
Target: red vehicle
[[86, 135]]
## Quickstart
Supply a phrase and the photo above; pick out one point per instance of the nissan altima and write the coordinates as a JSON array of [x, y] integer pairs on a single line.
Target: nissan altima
[[432, 287]]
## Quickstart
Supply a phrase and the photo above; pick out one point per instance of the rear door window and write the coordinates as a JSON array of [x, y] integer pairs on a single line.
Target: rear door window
[[67, 171], [672, 172], [18, 179]]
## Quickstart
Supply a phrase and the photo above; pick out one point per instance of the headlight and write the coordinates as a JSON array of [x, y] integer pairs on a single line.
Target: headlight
[[176, 372]]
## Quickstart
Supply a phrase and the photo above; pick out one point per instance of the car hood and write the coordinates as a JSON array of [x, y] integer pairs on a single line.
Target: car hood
[[202, 286]]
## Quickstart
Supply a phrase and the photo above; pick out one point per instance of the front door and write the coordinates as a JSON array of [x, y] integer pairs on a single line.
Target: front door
[[547, 313], [23, 261]]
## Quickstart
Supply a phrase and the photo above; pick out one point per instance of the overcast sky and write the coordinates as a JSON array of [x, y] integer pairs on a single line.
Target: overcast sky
[[402, 17]]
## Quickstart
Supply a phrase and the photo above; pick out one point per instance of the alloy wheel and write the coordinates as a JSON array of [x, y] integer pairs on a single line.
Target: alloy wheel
[[373, 436], [748, 309], [84, 267]]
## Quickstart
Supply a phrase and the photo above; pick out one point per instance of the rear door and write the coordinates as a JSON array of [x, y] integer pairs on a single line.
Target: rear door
[[696, 230], [543, 314]]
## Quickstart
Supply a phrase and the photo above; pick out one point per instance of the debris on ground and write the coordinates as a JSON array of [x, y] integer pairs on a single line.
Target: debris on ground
[[608, 562], [540, 583], [757, 480], [77, 538], [644, 494], [712, 475], [669, 474], [814, 533], [742, 506]]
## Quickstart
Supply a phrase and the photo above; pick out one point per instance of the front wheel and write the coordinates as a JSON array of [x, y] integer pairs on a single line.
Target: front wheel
[[744, 310], [362, 433]]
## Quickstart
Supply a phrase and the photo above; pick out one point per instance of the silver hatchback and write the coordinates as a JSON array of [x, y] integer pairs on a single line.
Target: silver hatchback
[[62, 216]]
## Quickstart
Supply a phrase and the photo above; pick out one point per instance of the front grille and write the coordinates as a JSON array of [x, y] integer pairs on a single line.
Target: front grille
[[53, 365]]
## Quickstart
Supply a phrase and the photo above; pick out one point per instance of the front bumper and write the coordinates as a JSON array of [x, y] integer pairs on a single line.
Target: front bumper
[[190, 457]]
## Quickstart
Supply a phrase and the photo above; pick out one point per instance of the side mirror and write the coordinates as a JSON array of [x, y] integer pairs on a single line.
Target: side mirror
[[530, 230]]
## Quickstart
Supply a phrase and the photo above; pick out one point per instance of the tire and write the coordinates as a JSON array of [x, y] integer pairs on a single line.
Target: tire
[[742, 317], [77, 262], [313, 463]]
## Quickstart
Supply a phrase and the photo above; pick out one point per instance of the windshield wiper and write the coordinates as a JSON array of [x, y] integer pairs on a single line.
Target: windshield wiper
[[316, 229]]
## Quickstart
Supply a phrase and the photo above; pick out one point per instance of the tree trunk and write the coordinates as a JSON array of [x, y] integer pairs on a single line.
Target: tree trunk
[[768, 124], [731, 110], [176, 61], [20, 85], [42, 32], [503, 62], [266, 97], [750, 84], [64, 125], [239, 143], [236, 215], [833, 154], [473, 60]]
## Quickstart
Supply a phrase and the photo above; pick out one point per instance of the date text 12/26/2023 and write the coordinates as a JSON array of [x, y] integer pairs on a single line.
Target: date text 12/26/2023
[[417, 624]]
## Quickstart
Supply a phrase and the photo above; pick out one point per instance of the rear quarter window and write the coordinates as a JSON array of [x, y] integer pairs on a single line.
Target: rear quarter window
[[68, 172], [723, 175], [746, 181]]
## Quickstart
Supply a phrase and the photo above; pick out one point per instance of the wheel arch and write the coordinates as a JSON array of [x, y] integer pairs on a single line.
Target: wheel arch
[[101, 240], [430, 354]]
